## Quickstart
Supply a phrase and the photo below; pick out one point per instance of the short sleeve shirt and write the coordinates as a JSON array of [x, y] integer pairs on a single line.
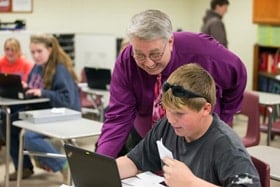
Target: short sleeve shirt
[[218, 156]]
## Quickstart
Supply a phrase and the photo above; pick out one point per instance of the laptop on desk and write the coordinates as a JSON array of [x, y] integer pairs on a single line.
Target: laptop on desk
[[91, 169], [98, 78], [11, 87]]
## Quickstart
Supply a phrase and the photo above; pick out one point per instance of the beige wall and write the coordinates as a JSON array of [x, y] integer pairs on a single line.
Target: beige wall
[[112, 17], [107, 16]]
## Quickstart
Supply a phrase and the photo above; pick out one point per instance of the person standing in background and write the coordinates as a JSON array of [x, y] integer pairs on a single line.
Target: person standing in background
[[212, 21], [13, 61], [154, 52]]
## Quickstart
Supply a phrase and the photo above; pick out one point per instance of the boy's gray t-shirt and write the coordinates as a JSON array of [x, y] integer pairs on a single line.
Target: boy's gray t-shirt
[[218, 156]]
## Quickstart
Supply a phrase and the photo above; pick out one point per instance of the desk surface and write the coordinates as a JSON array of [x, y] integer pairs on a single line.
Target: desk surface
[[8, 102], [63, 129], [86, 89], [268, 98], [5, 103], [270, 155]]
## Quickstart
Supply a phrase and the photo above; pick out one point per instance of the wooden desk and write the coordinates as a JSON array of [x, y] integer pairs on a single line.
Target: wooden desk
[[5, 104], [269, 155], [269, 100], [93, 93], [64, 130]]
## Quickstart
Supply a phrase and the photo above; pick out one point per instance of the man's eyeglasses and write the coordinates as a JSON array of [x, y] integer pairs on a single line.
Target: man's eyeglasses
[[179, 91], [153, 56]]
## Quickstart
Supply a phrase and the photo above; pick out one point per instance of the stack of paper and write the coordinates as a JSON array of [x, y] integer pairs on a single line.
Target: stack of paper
[[49, 115]]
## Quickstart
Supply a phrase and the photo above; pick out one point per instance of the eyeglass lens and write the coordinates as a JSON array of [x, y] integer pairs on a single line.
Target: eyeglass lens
[[153, 56]]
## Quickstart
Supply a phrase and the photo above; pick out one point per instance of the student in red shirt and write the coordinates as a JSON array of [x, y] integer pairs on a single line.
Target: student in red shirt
[[13, 61]]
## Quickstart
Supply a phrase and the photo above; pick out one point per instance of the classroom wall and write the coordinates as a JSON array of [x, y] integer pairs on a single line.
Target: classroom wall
[[241, 32], [112, 17]]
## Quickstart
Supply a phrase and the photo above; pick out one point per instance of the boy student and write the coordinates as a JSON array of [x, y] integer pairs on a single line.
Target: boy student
[[206, 151]]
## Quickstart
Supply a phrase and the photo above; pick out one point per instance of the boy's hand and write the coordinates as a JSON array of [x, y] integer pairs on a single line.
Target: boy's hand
[[177, 174]]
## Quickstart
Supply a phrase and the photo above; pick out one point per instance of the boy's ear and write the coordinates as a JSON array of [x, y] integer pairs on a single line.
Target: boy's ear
[[207, 108]]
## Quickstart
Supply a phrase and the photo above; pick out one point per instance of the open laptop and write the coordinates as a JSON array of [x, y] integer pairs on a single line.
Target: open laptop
[[11, 87], [98, 78], [92, 169]]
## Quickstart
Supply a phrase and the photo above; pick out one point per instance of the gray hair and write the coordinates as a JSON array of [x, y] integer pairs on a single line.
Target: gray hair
[[149, 25]]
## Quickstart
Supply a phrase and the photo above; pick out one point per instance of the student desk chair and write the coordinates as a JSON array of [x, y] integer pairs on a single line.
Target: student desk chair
[[5, 104], [63, 130]]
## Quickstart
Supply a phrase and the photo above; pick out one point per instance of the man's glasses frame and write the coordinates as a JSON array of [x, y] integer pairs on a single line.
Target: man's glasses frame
[[155, 57], [179, 91]]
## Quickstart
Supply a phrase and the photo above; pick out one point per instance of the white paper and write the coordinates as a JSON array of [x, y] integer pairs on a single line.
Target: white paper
[[149, 176], [163, 151], [132, 181], [58, 110], [145, 179]]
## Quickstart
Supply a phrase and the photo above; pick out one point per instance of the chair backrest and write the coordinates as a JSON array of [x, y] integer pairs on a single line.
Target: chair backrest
[[250, 108], [83, 76], [85, 102], [263, 170]]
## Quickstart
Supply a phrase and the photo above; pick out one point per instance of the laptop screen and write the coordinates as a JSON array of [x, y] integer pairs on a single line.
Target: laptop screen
[[98, 78], [92, 169], [10, 86]]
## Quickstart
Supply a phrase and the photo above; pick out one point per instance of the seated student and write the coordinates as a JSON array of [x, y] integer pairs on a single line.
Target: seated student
[[53, 77], [206, 151], [13, 62]]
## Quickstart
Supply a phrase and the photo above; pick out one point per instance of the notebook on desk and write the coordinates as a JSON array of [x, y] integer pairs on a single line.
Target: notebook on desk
[[91, 169], [11, 87], [98, 78]]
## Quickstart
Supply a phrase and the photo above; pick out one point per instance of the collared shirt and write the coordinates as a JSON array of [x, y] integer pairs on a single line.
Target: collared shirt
[[131, 88]]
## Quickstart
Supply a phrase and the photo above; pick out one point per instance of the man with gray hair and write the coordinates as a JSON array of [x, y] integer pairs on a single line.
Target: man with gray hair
[[153, 54]]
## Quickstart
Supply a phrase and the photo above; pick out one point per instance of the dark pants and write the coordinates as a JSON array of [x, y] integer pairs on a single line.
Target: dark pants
[[15, 131], [14, 138], [133, 139]]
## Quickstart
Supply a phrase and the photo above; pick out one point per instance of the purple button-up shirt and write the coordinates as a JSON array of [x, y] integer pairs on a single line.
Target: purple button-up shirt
[[131, 88]]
